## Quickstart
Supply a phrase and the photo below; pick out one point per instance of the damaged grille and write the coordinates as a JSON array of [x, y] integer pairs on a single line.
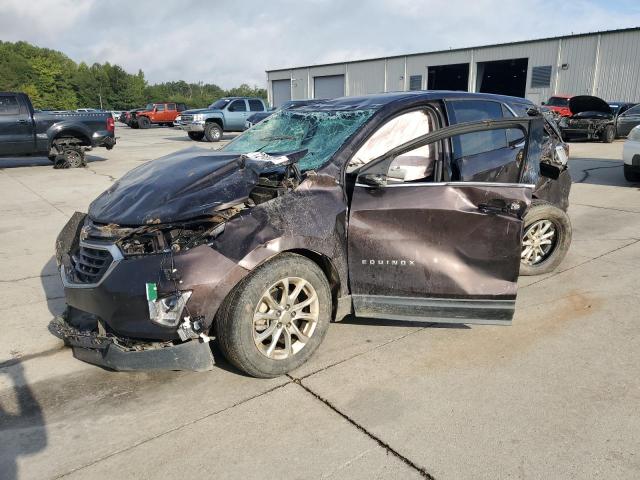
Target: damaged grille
[[90, 264]]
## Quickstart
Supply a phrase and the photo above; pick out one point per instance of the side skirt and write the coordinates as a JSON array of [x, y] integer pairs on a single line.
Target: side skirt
[[436, 310]]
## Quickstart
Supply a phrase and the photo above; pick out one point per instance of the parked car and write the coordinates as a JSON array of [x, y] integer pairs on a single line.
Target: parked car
[[591, 119], [631, 155], [225, 115], [62, 137], [627, 120], [130, 117], [406, 206], [163, 113], [259, 116], [559, 104]]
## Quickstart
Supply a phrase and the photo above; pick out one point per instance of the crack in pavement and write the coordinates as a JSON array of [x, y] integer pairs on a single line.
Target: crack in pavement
[[110, 177], [587, 171], [423, 473], [171, 430], [604, 208]]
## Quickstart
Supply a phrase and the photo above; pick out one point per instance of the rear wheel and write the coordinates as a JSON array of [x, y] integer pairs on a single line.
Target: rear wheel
[[71, 157], [197, 136], [609, 134], [144, 122], [546, 238], [276, 318], [213, 132]]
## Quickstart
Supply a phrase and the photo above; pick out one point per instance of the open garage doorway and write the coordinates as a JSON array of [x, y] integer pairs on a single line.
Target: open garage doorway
[[506, 77], [448, 77]]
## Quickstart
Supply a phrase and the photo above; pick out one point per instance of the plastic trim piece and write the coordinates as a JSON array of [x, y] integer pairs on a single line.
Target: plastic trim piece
[[113, 250]]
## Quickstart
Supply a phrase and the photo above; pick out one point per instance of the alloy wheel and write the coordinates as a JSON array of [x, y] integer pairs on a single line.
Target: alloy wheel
[[538, 242], [285, 318]]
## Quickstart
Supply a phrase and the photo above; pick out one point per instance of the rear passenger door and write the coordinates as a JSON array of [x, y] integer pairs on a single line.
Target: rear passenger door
[[236, 115], [488, 156], [16, 126], [171, 112]]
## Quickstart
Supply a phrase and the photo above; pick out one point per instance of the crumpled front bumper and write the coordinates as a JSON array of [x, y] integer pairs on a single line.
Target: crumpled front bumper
[[119, 354]]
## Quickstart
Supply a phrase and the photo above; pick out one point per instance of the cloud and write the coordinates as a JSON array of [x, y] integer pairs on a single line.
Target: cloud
[[230, 42]]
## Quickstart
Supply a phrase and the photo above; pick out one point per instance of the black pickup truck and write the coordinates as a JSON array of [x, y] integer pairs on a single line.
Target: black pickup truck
[[61, 136]]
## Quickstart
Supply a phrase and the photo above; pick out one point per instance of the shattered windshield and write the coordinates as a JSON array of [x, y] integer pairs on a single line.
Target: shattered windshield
[[322, 133]]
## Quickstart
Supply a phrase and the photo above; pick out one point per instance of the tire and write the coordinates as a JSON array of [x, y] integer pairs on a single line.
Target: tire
[[144, 122], [197, 136], [71, 157], [52, 158], [239, 320], [133, 124], [609, 134], [534, 226], [213, 132], [631, 174]]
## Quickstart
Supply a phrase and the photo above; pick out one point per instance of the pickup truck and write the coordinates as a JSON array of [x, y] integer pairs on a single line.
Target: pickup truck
[[162, 113], [62, 136], [225, 115]]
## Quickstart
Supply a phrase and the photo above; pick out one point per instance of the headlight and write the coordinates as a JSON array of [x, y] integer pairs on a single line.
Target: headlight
[[635, 134], [166, 310], [198, 117]]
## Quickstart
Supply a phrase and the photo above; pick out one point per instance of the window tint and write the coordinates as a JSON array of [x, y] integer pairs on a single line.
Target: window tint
[[160, 108], [514, 135], [479, 142], [256, 106], [487, 158], [392, 134], [238, 106], [9, 105], [415, 82], [171, 106]]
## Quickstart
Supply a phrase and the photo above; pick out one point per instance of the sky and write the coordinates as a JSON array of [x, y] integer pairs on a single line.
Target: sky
[[233, 42]]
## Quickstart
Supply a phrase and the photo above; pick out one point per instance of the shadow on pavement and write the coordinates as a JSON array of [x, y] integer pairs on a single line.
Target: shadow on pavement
[[52, 286], [596, 171], [22, 427], [17, 162]]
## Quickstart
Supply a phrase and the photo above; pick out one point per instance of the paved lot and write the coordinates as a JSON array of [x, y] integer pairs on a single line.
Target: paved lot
[[556, 395]]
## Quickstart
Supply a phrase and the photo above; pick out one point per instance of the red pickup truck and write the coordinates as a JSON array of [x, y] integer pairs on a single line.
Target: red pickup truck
[[163, 113], [559, 104]]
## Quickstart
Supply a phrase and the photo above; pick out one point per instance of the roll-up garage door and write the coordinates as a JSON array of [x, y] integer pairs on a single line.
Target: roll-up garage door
[[281, 91], [331, 86]]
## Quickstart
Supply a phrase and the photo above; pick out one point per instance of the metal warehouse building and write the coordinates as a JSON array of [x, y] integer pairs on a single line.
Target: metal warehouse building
[[605, 64]]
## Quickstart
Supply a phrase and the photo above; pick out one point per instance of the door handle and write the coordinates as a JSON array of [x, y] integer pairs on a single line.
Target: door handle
[[500, 206], [23, 121]]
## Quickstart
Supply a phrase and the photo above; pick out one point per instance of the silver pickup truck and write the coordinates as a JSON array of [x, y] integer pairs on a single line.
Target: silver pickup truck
[[61, 136], [225, 115]]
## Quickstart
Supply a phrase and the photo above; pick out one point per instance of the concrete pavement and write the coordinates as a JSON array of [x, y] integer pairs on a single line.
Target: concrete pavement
[[553, 396]]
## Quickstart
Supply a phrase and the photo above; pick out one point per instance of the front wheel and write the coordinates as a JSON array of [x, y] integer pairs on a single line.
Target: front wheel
[[197, 136], [609, 134], [213, 132], [275, 319], [546, 238], [144, 122]]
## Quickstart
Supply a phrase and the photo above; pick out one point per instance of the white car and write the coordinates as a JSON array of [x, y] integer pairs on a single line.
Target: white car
[[631, 156]]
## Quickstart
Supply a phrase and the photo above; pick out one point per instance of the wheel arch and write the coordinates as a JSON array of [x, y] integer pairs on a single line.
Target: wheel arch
[[72, 133], [215, 120]]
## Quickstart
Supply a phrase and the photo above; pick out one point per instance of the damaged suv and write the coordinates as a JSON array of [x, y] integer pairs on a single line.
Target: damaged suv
[[404, 206], [591, 119]]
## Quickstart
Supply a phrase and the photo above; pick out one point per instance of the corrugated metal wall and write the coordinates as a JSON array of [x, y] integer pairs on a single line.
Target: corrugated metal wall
[[606, 64]]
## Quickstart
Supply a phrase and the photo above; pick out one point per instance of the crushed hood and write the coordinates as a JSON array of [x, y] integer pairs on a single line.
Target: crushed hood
[[185, 185], [588, 103]]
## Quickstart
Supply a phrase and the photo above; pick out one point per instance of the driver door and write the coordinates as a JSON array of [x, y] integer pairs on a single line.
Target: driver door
[[442, 248]]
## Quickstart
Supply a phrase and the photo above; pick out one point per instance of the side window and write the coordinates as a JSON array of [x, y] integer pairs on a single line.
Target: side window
[[415, 165], [171, 106], [633, 111], [256, 106], [392, 134], [9, 105], [514, 136], [160, 107], [480, 142], [238, 106], [182, 107], [486, 158]]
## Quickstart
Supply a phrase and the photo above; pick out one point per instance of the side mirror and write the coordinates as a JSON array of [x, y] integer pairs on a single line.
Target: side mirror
[[560, 155], [373, 180], [543, 103]]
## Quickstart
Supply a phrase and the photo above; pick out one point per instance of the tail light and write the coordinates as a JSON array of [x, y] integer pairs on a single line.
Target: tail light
[[111, 125]]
